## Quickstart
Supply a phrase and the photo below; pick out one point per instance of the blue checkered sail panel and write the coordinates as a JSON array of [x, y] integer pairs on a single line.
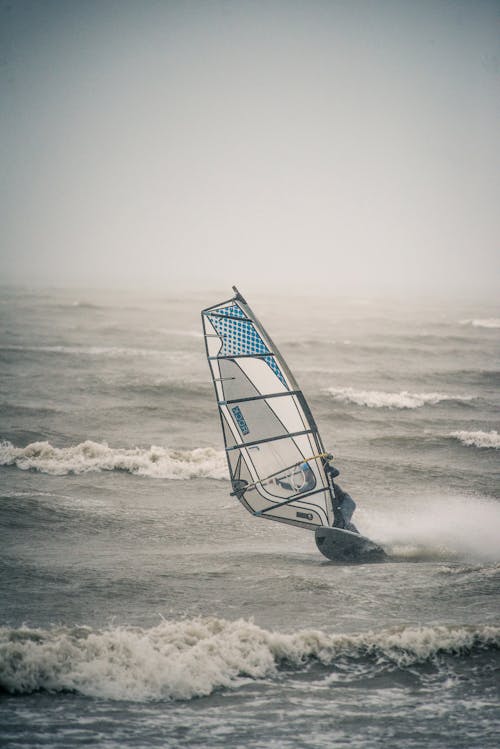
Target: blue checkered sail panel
[[233, 310], [240, 337], [275, 368]]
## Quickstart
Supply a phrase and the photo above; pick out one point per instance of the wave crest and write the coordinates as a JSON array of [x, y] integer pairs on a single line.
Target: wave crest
[[478, 438], [156, 462], [403, 399], [191, 658], [489, 322]]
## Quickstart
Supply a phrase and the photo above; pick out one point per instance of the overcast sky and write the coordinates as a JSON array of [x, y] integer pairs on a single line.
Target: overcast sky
[[293, 144]]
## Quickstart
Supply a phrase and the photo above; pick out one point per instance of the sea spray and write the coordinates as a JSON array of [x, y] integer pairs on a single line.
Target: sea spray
[[436, 527]]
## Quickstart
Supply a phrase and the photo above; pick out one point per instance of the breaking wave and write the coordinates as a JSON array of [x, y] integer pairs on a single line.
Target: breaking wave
[[182, 660], [403, 399], [156, 462], [489, 322], [478, 439]]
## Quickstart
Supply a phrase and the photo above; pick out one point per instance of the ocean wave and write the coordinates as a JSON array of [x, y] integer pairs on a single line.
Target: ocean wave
[[156, 462], [489, 322], [111, 351], [78, 304], [180, 333], [182, 660], [403, 399], [478, 438], [476, 569]]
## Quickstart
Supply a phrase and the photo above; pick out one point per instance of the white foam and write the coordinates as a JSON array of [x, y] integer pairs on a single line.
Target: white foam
[[478, 438], [191, 658], [381, 399], [489, 322], [156, 462]]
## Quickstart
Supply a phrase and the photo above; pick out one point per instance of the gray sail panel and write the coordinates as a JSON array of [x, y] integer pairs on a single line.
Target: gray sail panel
[[229, 440]]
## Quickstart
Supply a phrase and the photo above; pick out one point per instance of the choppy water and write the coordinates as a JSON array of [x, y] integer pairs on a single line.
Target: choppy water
[[141, 605]]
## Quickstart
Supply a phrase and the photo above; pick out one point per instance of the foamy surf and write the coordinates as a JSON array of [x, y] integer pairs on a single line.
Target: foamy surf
[[403, 399], [478, 439], [155, 462], [489, 322], [182, 660]]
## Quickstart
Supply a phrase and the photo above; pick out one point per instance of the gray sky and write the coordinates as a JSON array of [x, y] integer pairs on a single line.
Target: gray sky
[[295, 144]]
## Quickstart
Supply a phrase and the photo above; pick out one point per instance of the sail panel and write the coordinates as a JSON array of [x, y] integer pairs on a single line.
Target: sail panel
[[261, 375], [251, 379], [240, 337]]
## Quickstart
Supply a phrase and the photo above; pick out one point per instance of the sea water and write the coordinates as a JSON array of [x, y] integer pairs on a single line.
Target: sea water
[[142, 606]]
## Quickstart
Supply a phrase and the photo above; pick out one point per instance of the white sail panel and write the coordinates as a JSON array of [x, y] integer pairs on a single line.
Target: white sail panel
[[259, 372], [275, 454]]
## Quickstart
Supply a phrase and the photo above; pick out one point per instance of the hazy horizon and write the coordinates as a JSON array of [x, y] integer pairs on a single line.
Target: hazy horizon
[[349, 148]]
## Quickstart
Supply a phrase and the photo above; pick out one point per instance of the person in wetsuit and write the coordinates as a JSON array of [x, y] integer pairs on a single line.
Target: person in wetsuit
[[343, 504]]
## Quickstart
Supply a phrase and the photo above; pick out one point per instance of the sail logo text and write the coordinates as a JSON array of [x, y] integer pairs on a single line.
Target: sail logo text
[[240, 420], [305, 515]]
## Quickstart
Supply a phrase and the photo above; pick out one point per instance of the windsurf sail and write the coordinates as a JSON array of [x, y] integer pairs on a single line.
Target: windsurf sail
[[274, 451]]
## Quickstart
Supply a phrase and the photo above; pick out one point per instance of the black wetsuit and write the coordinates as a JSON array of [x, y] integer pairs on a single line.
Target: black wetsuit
[[343, 509]]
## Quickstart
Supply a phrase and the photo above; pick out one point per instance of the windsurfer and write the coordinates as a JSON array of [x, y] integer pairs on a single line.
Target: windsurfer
[[343, 504], [343, 509]]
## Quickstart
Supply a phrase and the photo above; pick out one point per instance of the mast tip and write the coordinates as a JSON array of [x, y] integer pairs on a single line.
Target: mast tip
[[238, 295]]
